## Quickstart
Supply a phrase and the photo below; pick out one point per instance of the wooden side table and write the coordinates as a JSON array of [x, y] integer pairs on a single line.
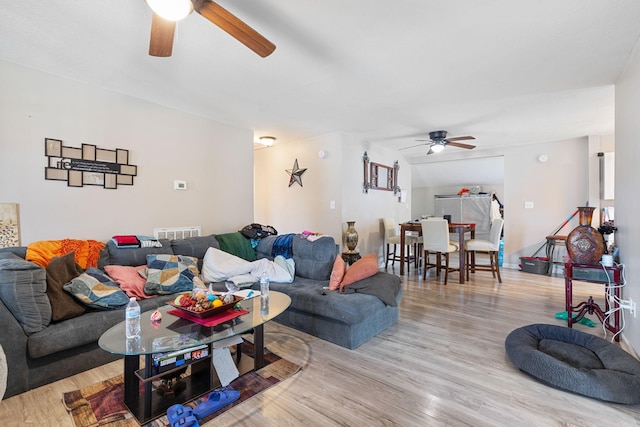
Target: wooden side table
[[594, 274], [350, 257]]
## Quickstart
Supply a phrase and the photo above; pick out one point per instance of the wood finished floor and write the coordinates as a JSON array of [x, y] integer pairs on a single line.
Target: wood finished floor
[[442, 364]]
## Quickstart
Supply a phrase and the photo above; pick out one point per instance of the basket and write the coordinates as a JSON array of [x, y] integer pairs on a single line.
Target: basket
[[535, 265]]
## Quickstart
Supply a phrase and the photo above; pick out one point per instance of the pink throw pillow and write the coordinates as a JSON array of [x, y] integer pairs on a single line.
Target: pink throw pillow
[[339, 268], [365, 267], [129, 279]]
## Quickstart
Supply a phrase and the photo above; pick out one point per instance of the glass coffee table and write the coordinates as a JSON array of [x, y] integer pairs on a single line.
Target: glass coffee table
[[175, 333]]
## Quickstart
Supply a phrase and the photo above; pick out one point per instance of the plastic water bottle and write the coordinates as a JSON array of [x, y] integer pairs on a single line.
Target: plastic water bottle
[[132, 319], [264, 285], [264, 294], [501, 253]]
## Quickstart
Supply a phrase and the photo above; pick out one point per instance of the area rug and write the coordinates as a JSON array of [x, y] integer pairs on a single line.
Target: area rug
[[102, 404]]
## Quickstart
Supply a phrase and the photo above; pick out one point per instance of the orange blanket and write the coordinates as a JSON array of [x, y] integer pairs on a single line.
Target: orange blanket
[[87, 252]]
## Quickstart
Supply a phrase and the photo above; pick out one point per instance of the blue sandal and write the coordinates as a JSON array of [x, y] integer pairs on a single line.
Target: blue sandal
[[217, 400], [189, 421], [181, 416]]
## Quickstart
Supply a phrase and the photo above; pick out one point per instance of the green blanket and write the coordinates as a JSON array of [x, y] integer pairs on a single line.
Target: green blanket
[[236, 244]]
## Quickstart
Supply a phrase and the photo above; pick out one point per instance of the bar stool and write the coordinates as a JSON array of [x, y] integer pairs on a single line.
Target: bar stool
[[392, 237], [491, 246], [552, 242]]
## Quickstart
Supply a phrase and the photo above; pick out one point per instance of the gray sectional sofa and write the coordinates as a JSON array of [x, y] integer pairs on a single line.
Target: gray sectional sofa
[[60, 349]]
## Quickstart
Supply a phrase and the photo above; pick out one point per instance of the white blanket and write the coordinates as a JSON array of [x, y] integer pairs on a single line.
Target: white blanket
[[220, 266]]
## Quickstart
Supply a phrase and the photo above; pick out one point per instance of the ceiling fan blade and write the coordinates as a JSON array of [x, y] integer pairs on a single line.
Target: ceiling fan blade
[[459, 138], [461, 145], [234, 27], [430, 151], [162, 32], [413, 146]]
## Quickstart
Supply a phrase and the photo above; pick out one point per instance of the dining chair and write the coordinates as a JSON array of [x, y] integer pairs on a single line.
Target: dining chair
[[490, 246], [392, 237], [435, 239]]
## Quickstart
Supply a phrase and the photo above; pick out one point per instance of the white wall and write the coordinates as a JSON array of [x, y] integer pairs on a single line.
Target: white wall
[[293, 209], [215, 160], [627, 176], [369, 209], [337, 177], [556, 188]]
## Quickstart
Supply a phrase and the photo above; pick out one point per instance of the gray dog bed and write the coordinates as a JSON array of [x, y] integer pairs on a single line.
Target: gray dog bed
[[575, 361]]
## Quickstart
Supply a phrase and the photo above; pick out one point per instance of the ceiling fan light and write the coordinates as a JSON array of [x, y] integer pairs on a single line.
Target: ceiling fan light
[[436, 148], [267, 141], [171, 10]]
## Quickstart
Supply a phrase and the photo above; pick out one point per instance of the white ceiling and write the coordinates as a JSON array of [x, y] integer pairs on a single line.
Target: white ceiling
[[504, 71]]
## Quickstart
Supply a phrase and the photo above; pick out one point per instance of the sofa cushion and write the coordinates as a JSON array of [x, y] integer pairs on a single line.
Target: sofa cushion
[[169, 274], [308, 296], [313, 259], [194, 246], [131, 256], [95, 289], [365, 267], [21, 251], [60, 271], [129, 279], [85, 329], [23, 289]]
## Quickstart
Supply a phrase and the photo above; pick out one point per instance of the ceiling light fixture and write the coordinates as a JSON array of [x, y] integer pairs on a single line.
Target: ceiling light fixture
[[171, 10], [267, 141], [437, 147]]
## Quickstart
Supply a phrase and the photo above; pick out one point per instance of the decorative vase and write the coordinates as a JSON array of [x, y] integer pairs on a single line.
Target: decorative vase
[[351, 237], [584, 243]]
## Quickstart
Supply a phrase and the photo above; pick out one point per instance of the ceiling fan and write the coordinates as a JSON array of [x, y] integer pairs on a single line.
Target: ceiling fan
[[163, 25], [438, 140]]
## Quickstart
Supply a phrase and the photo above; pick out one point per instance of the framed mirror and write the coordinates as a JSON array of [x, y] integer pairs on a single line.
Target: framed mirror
[[382, 177]]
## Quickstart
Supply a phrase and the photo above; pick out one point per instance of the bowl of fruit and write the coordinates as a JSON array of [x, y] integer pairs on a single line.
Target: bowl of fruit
[[202, 304]]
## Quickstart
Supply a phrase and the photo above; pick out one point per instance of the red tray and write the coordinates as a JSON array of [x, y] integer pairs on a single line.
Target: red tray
[[211, 311]]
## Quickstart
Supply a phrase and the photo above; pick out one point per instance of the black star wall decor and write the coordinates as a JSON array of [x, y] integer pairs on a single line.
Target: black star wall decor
[[295, 174]]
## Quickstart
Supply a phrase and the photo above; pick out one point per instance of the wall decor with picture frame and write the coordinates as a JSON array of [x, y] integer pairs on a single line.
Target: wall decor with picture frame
[[87, 165], [378, 176]]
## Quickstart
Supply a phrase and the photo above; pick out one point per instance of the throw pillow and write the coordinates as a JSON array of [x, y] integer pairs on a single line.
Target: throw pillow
[[23, 289], [337, 274], [365, 267], [129, 279], [170, 274], [61, 270], [97, 290]]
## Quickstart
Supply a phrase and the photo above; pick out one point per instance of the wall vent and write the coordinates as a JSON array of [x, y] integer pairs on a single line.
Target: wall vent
[[174, 233]]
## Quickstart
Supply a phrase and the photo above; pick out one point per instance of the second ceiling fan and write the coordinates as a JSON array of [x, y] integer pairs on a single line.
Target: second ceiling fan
[[163, 27], [438, 140]]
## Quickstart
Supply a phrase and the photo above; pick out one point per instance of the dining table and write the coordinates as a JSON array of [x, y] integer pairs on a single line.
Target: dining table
[[461, 228]]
